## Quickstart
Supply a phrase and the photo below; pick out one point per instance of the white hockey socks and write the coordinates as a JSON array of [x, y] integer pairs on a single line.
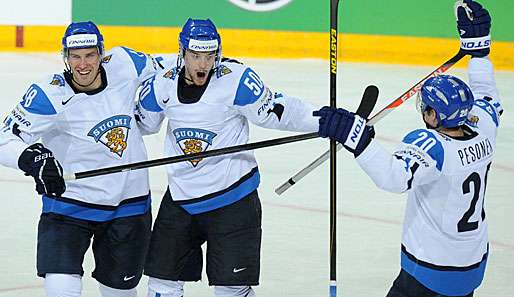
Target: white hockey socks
[[165, 288], [63, 285], [234, 291], [106, 291]]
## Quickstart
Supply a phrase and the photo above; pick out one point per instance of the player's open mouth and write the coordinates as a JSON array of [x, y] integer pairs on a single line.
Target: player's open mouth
[[201, 74]]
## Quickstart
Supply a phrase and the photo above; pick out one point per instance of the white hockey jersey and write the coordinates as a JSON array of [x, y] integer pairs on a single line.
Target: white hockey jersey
[[85, 132], [444, 242], [235, 95]]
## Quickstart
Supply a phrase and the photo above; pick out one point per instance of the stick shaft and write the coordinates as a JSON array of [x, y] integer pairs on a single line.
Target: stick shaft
[[333, 149], [378, 116], [182, 158]]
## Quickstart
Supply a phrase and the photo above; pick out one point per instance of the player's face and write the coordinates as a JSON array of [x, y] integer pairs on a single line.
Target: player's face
[[198, 65], [85, 64]]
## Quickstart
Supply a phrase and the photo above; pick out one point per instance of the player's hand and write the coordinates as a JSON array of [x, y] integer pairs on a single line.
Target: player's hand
[[473, 24], [345, 127], [39, 162]]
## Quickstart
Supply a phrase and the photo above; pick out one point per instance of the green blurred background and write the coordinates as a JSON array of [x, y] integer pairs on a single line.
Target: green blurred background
[[404, 18]]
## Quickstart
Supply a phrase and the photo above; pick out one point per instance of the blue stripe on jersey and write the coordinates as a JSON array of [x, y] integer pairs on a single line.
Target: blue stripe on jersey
[[95, 214], [489, 108], [250, 88], [147, 96], [446, 281], [233, 195], [139, 59], [35, 101], [427, 141]]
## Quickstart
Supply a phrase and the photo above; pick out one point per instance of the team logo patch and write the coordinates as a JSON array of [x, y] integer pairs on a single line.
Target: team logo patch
[[473, 121], [191, 140], [222, 70], [57, 80], [260, 5], [171, 74], [106, 59], [113, 133]]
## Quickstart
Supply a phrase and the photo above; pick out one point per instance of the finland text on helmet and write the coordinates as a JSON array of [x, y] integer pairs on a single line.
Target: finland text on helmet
[[200, 36], [82, 35], [450, 97]]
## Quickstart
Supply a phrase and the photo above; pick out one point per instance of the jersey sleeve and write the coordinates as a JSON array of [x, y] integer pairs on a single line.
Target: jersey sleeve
[[150, 107], [146, 65], [25, 124], [418, 160], [269, 109], [487, 109]]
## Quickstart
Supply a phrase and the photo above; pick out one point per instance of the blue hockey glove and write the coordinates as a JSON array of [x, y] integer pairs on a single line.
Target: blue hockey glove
[[345, 127], [39, 162], [474, 25]]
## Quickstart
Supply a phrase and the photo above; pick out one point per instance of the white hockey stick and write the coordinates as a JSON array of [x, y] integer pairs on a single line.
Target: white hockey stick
[[382, 113]]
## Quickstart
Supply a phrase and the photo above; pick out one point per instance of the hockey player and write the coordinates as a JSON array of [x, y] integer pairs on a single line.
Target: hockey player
[[443, 168], [208, 105], [85, 119]]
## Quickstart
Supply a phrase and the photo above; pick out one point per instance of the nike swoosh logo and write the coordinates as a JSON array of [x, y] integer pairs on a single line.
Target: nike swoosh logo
[[236, 270], [165, 101], [127, 278], [64, 102]]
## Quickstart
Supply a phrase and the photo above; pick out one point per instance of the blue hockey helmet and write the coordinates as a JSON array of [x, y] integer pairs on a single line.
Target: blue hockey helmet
[[200, 36], [449, 97], [82, 35]]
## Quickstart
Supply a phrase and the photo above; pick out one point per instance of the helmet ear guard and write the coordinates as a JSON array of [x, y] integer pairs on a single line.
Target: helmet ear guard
[[200, 36], [449, 97]]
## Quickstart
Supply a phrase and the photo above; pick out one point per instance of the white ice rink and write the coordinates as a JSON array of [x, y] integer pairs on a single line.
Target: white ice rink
[[295, 257]]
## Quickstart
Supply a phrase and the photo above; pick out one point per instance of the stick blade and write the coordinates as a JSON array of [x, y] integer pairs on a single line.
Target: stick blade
[[369, 99]]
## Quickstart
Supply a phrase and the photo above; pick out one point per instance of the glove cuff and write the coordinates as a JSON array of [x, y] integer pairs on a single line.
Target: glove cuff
[[476, 43]]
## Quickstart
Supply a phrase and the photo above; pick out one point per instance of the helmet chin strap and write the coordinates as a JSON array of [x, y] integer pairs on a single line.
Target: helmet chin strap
[[431, 127], [187, 79]]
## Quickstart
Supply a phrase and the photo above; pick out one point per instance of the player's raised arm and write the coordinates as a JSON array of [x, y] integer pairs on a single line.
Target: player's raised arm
[[474, 25]]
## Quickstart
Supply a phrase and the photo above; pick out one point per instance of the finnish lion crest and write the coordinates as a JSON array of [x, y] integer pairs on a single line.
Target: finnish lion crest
[[57, 80], [171, 74], [113, 133], [191, 140]]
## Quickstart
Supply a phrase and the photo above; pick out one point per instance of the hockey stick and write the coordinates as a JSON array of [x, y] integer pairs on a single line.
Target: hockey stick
[[176, 159], [382, 113], [333, 148]]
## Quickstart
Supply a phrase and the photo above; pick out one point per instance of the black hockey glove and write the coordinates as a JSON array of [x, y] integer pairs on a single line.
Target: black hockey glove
[[345, 127], [39, 162], [474, 25]]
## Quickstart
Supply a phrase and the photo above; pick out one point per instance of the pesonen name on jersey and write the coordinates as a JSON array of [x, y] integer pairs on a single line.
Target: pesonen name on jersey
[[476, 152]]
